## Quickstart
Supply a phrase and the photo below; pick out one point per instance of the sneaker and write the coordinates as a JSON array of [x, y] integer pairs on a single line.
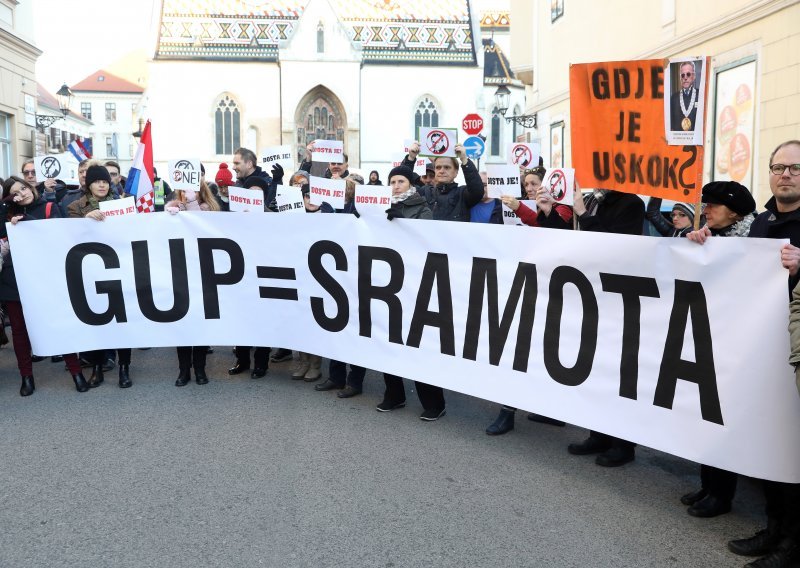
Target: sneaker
[[431, 415], [388, 406], [281, 355]]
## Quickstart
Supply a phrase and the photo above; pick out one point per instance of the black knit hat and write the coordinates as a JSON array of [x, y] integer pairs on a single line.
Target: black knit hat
[[257, 181], [732, 195], [97, 173], [404, 171]]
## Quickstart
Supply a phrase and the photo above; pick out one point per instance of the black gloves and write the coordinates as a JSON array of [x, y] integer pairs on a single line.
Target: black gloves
[[394, 212], [277, 174]]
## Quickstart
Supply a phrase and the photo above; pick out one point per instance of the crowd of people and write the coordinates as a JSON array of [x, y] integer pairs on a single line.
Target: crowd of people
[[729, 210]]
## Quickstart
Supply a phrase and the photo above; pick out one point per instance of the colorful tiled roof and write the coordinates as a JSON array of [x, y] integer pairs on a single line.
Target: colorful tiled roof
[[495, 22], [389, 31], [496, 69], [104, 82]]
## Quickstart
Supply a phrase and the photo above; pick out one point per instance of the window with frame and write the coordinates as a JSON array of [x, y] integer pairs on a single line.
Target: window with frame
[[111, 112], [5, 145], [227, 125], [494, 143], [109, 147], [320, 38], [86, 110], [556, 10], [426, 114]]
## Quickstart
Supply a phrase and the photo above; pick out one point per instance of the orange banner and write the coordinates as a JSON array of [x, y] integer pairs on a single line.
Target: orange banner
[[618, 142]]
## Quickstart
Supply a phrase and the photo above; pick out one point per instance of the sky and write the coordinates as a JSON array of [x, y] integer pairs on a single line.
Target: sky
[[78, 38]]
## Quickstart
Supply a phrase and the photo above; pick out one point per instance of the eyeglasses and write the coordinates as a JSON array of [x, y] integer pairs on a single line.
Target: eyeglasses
[[778, 169], [686, 75], [29, 172]]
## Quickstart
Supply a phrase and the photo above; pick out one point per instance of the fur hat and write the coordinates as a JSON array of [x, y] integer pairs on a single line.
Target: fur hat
[[97, 173], [404, 171], [224, 176], [732, 195]]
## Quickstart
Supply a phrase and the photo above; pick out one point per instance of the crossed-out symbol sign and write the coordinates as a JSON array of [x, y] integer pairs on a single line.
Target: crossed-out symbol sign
[[521, 156], [558, 184], [437, 142], [181, 165], [51, 167]]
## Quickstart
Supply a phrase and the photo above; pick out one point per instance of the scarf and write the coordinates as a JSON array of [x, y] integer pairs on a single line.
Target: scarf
[[405, 195]]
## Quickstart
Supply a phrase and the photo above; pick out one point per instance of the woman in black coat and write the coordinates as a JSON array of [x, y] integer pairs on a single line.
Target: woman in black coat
[[22, 203]]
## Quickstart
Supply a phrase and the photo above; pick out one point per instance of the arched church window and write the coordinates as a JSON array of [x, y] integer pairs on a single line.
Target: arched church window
[[227, 125], [494, 147], [320, 38], [426, 114], [515, 130]]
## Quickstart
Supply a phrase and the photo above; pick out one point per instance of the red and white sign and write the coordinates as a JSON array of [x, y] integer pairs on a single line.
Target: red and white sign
[[331, 151], [327, 190], [472, 124], [436, 142], [246, 200], [373, 200], [117, 207], [561, 183], [524, 155]]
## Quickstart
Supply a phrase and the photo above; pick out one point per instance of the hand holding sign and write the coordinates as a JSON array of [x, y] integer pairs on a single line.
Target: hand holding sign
[[502, 180], [436, 142], [561, 184]]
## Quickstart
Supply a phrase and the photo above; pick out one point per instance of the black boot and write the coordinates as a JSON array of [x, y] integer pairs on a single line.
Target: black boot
[[504, 423], [761, 543], [97, 376], [239, 367], [80, 382], [783, 556], [124, 376], [200, 376], [183, 377], [27, 387]]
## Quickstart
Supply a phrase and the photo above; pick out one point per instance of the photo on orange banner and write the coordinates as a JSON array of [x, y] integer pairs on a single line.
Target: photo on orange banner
[[618, 135]]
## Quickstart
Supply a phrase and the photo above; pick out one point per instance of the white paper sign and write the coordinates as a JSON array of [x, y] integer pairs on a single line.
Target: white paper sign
[[419, 163], [289, 199], [329, 151], [510, 217], [246, 200], [184, 174], [559, 297], [502, 180], [373, 200], [327, 190], [407, 143], [524, 155], [278, 155], [684, 100], [118, 207], [561, 183], [48, 167], [435, 142]]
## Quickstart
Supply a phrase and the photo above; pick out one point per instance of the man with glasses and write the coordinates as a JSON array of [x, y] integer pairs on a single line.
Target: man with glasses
[[779, 543], [683, 104], [117, 181]]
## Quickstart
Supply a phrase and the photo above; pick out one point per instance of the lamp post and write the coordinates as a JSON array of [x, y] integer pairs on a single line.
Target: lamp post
[[64, 97], [138, 133], [502, 96]]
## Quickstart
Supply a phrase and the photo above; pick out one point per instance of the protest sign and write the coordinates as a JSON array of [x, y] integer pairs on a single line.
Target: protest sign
[[541, 320], [561, 184], [419, 163], [684, 108], [246, 200], [326, 190], [184, 174], [510, 217], [48, 167], [373, 199], [289, 199], [617, 118], [330, 151], [281, 155], [436, 142], [524, 155], [117, 207], [502, 180]]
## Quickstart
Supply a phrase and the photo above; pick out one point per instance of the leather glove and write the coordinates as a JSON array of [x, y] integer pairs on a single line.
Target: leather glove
[[393, 212], [277, 174]]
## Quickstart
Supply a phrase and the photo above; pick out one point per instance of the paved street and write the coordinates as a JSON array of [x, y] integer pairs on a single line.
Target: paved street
[[267, 472]]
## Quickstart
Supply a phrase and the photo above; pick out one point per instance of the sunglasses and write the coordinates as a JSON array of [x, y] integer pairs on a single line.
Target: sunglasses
[[28, 172], [686, 75]]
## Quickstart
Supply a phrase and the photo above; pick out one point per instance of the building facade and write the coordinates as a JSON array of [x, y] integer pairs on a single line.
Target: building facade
[[754, 86], [18, 57]]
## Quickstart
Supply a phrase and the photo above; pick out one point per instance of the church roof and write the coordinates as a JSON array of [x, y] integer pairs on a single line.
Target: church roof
[[104, 82], [495, 21], [388, 31], [496, 69]]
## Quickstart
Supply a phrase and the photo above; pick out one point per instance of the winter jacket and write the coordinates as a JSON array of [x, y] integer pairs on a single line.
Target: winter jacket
[[664, 227], [621, 213], [78, 209], [71, 195], [774, 225], [414, 207], [452, 202], [34, 211], [560, 217]]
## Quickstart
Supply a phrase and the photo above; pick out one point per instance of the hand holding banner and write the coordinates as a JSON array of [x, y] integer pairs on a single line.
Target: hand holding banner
[[327, 190]]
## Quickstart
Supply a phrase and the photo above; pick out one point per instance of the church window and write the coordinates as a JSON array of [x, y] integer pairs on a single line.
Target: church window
[[427, 113], [320, 38], [494, 148], [227, 125]]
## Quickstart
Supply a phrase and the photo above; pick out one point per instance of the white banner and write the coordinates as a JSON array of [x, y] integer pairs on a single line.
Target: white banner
[[548, 321], [331, 151], [245, 200], [326, 190], [373, 199], [278, 155], [118, 207], [184, 174], [289, 199]]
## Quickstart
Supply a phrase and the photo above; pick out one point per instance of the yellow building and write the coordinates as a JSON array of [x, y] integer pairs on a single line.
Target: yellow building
[[754, 81]]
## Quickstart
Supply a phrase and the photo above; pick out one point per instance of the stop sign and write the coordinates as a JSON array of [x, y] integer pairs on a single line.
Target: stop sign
[[472, 124]]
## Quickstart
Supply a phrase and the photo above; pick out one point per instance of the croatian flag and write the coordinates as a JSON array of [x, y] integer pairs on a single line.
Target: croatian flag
[[77, 149], [140, 178]]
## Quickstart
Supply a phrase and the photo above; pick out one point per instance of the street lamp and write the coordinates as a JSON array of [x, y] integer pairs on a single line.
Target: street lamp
[[138, 133], [502, 96], [64, 97]]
